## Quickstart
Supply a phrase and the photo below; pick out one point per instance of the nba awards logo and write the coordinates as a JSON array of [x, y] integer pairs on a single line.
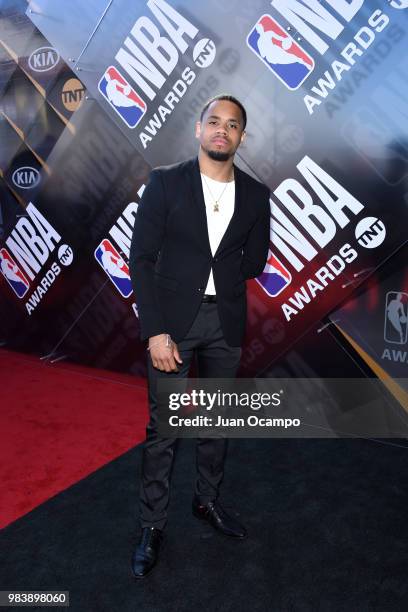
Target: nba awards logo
[[275, 277], [13, 274], [114, 266], [396, 317], [280, 53], [122, 97]]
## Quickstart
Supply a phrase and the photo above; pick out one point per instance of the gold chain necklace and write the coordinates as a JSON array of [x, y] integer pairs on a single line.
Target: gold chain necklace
[[216, 201]]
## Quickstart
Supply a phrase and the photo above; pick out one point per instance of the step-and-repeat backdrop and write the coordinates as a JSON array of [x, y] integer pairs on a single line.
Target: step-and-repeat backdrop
[[94, 94]]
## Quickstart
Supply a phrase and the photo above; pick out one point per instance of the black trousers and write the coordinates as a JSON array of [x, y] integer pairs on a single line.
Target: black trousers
[[215, 359]]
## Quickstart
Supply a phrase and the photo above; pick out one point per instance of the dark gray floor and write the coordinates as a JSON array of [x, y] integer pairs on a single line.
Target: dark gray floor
[[327, 522]]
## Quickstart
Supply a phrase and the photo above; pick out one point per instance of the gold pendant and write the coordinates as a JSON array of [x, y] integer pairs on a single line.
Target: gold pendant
[[216, 208]]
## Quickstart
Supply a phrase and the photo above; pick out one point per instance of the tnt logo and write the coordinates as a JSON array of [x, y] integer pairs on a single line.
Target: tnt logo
[[396, 317], [122, 97], [13, 274], [283, 56], [275, 277], [72, 94], [370, 232], [204, 53], [114, 266]]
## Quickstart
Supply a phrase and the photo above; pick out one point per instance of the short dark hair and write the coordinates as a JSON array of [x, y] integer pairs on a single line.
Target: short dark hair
[[229, 98]]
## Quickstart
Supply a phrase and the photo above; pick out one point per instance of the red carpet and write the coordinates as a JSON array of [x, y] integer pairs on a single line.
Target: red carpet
[[59, 423]]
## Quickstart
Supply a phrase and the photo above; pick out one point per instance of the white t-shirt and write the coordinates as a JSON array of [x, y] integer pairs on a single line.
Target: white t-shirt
[[217, 222]]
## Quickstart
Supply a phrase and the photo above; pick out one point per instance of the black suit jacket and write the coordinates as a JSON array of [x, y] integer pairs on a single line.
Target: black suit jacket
[[170, 256]]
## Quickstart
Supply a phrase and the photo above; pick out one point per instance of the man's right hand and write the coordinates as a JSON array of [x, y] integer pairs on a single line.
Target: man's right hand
[[164, 357]]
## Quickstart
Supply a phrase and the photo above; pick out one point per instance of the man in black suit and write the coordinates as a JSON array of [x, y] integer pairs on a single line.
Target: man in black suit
[[202, 230]]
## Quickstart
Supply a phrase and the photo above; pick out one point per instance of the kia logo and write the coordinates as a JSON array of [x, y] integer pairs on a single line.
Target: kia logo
[[43, 59], [26, 177]]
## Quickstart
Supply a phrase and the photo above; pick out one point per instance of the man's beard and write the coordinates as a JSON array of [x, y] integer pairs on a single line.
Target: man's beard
[[218, 155]]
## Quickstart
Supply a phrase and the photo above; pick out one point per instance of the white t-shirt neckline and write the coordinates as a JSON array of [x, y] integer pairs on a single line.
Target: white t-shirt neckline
[[217, 221]]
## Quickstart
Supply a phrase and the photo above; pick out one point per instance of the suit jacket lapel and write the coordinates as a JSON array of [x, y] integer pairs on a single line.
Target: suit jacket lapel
[[240, 192], [194, 179]]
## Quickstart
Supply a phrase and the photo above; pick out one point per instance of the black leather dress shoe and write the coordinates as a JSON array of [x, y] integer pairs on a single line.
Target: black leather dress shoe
[[216, 516], [146, 554]]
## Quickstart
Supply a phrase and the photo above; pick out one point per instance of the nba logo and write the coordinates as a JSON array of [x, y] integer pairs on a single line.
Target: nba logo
[[283, 56], [13, 274], [114, 266], [396, 317], [122, 97], [275, 277]]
